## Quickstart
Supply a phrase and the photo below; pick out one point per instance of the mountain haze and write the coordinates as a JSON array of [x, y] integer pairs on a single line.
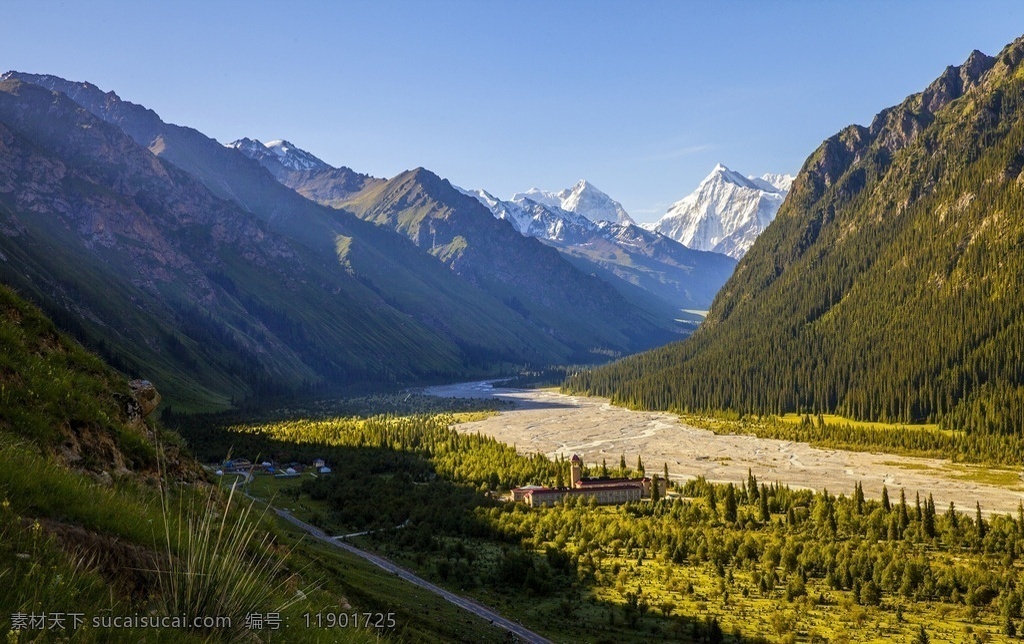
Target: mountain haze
[[491, 254], [166, 249], [887, 288], [633, 259]]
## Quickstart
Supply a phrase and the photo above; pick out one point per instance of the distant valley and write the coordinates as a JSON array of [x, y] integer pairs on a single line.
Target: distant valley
[[231, 272]]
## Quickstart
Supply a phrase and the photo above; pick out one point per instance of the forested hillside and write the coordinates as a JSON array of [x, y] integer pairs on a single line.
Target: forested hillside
[[888, 287]]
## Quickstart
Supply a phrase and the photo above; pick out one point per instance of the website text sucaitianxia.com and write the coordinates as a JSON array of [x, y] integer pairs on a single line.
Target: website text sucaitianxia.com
[[67, 622]]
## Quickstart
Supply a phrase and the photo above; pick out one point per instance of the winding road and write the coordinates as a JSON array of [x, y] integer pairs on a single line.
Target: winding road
[[466, 604]]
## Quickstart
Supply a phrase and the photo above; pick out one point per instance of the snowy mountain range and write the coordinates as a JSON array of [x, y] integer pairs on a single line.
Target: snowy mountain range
[[726, 212], [571, 216], [594, 230], [582, 199]]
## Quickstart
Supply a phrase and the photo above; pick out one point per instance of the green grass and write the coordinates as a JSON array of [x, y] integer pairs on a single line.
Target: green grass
[[832, 419], [421, 616]]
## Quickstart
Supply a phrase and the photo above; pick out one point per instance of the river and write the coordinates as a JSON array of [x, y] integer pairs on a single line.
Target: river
[[552, 423]]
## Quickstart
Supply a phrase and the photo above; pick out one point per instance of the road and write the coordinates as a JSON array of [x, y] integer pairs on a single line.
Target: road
[[466, 604]]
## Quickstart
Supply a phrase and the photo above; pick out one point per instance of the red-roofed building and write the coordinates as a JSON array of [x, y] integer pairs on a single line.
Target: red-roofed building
[[605, 491]]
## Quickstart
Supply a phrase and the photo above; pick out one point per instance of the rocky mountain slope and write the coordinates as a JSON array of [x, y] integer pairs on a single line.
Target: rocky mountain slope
[[726, 212], [533, 278], [627, 255], [165, 249], [303, 172], [887, 287]]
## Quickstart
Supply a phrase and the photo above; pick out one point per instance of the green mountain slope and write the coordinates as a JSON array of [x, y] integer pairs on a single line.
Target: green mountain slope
[[224, 283], [654, 273], [152, 269], [888, 286], [484, 326], [84, 498]]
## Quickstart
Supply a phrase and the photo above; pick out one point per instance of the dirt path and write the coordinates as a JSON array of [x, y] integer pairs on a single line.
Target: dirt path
[[552, 423]]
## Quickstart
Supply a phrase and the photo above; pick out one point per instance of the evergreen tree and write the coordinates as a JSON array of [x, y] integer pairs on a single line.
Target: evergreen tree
[[928, 522], [730, 503], [922, 636], [885, 500], [639, 465]]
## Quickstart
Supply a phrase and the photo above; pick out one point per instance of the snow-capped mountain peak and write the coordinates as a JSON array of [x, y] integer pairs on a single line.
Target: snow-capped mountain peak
[[543, 197], [294, 157], [582, 199], [585, 199], [285, 153], [726, 212]]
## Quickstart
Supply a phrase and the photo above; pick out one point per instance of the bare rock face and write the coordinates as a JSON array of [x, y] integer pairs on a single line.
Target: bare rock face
[[145, 397]]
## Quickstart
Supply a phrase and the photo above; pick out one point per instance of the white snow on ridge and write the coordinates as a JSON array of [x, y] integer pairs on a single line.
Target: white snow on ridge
[[287, 154], [583, 199], [294, 157], [726, 212]]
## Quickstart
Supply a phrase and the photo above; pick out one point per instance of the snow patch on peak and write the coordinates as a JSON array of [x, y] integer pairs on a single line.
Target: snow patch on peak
[[782, 182], [726, 212], [542, 197], [294, 157], [583, 199], [252, 148]]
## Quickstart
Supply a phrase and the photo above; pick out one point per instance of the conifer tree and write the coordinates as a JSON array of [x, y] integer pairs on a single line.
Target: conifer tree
[[730, 503], [922, 636], [928, 522]]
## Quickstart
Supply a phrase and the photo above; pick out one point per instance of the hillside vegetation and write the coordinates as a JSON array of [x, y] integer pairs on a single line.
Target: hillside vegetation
[[103, 515], [887, 288], [740, 562]]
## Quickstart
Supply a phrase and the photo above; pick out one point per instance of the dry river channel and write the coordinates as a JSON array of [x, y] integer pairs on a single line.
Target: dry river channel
[[554, 424]]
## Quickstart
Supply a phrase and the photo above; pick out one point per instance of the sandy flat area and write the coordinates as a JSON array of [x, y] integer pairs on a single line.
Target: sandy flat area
[[555, 424]]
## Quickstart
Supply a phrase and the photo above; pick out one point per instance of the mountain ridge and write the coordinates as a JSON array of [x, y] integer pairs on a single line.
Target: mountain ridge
[[726, 212], [627, 254], [379, 308], [883, 288]]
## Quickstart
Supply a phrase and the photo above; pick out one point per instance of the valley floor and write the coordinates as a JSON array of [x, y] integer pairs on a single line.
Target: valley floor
[[552, 423]]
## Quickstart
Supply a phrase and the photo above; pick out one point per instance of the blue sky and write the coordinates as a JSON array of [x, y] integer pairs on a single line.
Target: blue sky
[[641, 98]]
